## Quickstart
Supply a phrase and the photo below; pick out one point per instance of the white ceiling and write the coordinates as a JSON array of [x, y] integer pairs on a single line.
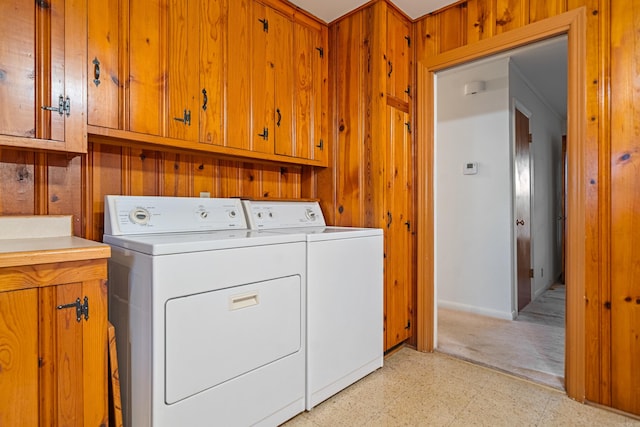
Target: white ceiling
[[330, 10]]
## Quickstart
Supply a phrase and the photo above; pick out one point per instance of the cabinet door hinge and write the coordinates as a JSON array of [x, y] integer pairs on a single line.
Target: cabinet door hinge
[[408, 124], [530, 138], [321, 145], [408, 39], [320, 51], [531, 273]]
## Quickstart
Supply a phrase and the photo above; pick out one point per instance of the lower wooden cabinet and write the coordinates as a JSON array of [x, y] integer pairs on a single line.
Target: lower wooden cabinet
[[53, 344]]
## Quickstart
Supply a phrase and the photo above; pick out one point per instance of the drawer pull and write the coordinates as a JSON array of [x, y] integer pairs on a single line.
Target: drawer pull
[[243, 301]]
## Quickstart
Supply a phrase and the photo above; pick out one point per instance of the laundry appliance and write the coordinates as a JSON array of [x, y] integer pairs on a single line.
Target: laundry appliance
[[344, 293], [209, 316]]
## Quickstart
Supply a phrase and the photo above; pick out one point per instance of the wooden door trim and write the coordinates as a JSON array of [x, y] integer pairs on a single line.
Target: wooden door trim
[[572, 23]]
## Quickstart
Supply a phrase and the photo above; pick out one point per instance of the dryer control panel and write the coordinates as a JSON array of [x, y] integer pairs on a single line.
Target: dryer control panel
[[150, 214], [268, 215]]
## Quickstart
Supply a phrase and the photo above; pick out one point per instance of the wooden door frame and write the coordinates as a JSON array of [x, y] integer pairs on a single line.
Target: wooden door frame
[[572, 23]]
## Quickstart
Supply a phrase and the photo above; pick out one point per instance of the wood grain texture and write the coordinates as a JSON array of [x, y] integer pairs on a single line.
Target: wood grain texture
[[147, 66], [103, 47], [213, 39], [239, 29], [19, 358], [282, 54], [17, 62], [625, 206]]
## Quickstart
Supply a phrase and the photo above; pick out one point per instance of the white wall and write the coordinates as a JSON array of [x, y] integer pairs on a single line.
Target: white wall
[[473, 213], [546, 128]]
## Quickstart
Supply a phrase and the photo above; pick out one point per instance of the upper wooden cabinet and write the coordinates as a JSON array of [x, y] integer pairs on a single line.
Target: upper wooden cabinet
[[398, 55], [42, 79], [235, 77]]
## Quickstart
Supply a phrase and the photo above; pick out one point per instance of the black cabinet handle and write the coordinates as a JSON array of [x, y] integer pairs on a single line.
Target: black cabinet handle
[[279, 117], [205, 100], [96, 71]]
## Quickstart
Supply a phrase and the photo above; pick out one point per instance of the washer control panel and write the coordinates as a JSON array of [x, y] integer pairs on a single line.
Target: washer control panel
[[150, 214], [266, 215]]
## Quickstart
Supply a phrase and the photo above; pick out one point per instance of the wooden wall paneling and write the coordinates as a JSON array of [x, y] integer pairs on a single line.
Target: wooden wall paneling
[[539, 10], [64, 195], [17, 176], [181, 82], [143, 168], [481, 21], [17, 61], [250, 185], [147, 66], [239, 28], [103, 63], [427, 38], [625, 206], [511, 14], [269, 179], [350, 57], [290, 180], [213, 39], [375, 126], [453, 27], [597, 318], [105, 170], [175, 175], [206, 176], [230, 179]]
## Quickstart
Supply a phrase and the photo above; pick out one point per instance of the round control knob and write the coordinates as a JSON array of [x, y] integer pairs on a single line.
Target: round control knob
[[204, 214], [232, 214], [139, 216], [310, 214], [259, 215]]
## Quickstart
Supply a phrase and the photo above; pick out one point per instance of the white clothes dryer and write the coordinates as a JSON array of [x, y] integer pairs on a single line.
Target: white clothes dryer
[[209, 316], [344, 293]]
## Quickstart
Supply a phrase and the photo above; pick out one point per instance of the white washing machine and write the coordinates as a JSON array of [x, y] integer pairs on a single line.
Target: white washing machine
[[209, 316], [344, 293]]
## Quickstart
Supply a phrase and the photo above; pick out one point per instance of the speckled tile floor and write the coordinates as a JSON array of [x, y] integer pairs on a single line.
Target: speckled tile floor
[[434, 389]]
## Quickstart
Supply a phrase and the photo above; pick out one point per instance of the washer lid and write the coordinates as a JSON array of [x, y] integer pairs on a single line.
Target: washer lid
[[125, 215]]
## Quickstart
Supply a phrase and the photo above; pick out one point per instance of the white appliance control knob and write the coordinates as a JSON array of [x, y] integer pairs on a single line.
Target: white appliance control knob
[[232, 214], [310, 214], [139, 216], [204, 214], [259, 215]]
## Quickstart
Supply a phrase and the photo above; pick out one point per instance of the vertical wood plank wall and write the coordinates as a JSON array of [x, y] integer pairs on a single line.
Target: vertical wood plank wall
[[612, 143], [39, 184]]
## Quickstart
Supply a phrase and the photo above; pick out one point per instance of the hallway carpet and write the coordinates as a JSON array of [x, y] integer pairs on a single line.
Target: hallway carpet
[[531, 347]]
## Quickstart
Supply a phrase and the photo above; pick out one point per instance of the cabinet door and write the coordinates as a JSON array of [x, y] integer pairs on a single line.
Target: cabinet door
[[182, 80], [310, 61], [147, 66], [398, 56], [103, 62], [213, 27], [240, 28], [42, 56], [73, 377], [399, 233], [19, 358], [280, 48]]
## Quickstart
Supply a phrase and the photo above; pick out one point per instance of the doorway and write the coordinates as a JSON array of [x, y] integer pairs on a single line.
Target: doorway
[[572, 23], [484, 172]]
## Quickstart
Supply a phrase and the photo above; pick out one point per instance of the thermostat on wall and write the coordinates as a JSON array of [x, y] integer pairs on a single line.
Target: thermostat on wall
[[470, 168]]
